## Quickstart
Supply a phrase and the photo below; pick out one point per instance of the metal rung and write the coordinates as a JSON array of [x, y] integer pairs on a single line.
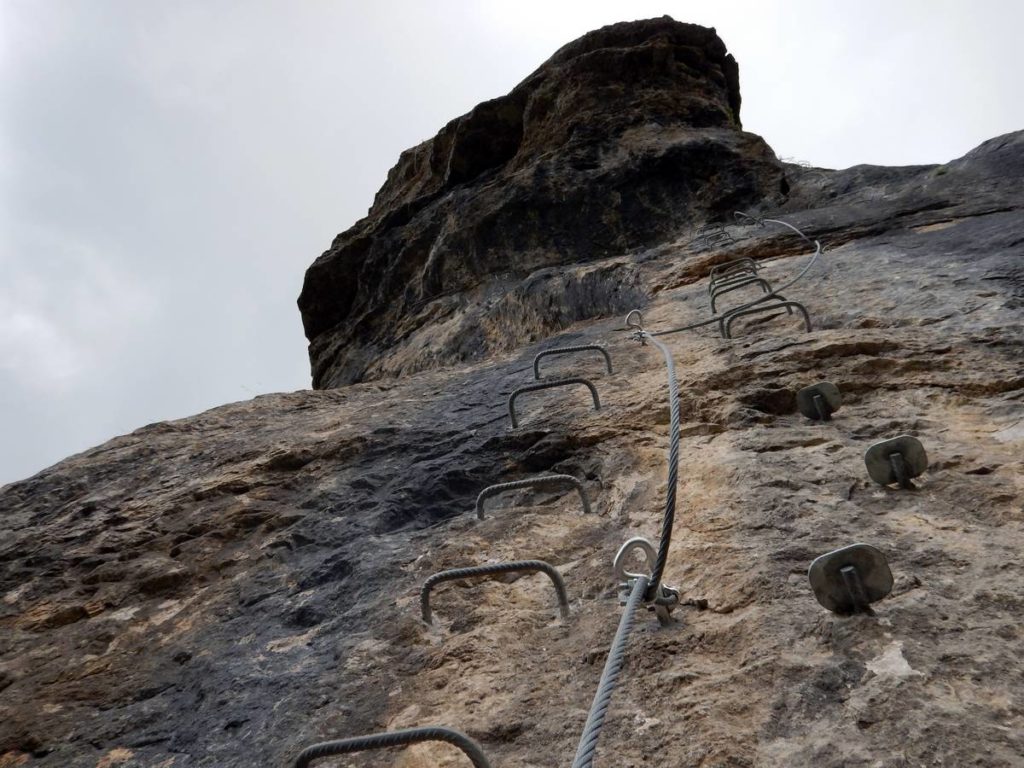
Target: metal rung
[[394, 739], [490, 570], [733, 275], [571, 350], [736, 285], [731, 266], [726, 321], [550, 385], [711, 235], [544, 481]]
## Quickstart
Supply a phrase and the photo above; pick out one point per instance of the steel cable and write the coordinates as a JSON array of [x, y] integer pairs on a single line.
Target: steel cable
[[673, 469], [609, 677], [768, 296]]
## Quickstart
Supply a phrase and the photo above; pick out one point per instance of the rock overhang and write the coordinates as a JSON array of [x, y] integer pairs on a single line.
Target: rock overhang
[[617, 140]]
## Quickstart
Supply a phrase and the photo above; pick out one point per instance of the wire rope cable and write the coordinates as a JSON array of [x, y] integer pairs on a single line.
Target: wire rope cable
[[609, 677], [774, 294], [668, 519]]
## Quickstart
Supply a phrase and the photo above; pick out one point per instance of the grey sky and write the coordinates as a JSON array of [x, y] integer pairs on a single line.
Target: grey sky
[[168, 170]]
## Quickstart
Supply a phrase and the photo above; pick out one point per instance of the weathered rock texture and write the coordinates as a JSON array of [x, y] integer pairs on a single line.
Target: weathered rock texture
[[226, 589], [613, 144]]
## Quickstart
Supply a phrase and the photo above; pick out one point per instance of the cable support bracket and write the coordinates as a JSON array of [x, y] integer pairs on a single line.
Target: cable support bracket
[[665, 598]]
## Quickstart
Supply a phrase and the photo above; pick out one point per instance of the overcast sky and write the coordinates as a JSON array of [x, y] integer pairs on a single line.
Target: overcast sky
[[169, 169]]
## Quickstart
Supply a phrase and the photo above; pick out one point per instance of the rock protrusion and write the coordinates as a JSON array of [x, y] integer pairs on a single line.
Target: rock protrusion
[[618, 140]]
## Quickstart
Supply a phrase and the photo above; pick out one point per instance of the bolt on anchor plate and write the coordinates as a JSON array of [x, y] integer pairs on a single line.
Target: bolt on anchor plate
[[848, 580], [897, 460], [819, 401]]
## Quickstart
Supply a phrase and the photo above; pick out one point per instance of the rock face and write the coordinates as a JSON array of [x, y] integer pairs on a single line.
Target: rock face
[[613, 144], [226, 589]]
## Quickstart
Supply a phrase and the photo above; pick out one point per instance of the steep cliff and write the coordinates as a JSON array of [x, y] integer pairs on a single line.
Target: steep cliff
[[226, 589], [613, 144]]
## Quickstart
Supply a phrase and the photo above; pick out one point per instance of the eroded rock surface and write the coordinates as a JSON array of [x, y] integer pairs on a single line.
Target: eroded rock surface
[[613, 144], [226, 589]]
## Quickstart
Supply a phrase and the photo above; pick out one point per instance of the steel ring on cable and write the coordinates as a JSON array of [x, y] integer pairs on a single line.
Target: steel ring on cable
[[621, 558]]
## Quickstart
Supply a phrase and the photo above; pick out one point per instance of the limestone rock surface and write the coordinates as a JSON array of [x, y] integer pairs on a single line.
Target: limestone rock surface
[[226, 589], [616, 141]]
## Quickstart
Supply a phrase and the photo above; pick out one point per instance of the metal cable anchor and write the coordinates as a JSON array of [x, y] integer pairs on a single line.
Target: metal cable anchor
[[549, 385], [635, 323], [819, 401], [544, 481], [490, 570], [848, 580], [666, 598], [394, 739], [897, 460], [570, 350]]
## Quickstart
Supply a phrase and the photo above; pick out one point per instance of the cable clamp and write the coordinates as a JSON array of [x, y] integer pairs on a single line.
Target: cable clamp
[[665, 598]]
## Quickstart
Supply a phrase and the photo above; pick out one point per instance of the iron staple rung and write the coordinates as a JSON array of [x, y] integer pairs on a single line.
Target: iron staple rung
[[712, 234], [491, 570], [571, 350], [730, 317], [722, 271], [544, 481], [394, 739], [550, 385], [730, 277], [735, 286]]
